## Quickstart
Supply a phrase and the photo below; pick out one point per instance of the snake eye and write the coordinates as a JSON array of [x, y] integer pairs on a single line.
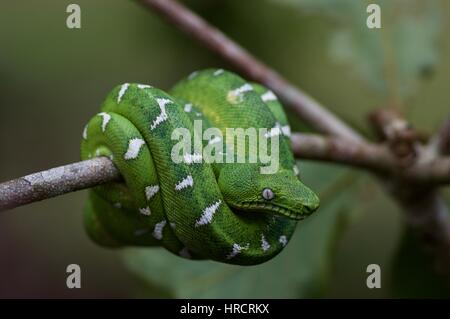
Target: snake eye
[[268, 194]]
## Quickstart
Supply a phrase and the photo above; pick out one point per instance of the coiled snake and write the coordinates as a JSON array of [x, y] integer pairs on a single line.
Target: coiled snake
[[228, 212]]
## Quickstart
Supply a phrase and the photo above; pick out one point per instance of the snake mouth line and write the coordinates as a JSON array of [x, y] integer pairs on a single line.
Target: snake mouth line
[[274, 209]]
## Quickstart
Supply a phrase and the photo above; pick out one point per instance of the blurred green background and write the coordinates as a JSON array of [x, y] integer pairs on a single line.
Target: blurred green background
[[53, 79]]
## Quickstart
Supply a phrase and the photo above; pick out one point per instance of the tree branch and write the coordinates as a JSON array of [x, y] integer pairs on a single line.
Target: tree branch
[[305, 106], [375, 158], [57, 181]]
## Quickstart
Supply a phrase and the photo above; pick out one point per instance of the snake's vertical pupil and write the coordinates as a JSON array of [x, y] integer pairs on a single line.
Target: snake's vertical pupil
[[268, 194]]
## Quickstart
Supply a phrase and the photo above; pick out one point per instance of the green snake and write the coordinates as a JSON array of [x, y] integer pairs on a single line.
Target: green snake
[[227, 212]]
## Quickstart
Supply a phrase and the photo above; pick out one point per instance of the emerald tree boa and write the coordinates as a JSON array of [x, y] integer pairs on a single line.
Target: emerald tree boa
[[228, 212]]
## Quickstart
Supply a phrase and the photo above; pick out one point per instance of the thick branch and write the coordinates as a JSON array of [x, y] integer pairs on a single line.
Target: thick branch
[[57, 181], [306, 107], [374, 158], [429, 173]]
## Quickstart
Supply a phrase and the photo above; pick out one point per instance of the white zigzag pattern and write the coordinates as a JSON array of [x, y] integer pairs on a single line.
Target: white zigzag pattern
[[268, 96], [236, 250], [163, 115], [184, 183], [134, 146], [208, 214], [105, 120], [157, 232], [122, 91], [264, 244], [151, 191], [283, 240]]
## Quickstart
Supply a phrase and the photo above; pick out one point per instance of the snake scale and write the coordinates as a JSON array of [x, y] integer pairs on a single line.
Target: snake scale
[[227, 212]]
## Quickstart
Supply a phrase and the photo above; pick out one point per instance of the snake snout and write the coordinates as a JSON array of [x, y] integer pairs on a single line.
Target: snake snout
[[309, 201], [311, 208]]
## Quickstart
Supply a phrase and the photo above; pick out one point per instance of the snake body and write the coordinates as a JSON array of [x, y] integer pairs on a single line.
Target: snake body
[[227, 212]]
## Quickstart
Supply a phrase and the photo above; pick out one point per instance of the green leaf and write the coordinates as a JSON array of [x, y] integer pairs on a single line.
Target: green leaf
[[301, 270], [391, 60]]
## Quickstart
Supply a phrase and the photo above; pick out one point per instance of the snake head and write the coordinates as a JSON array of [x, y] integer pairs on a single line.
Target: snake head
[[247, 190]]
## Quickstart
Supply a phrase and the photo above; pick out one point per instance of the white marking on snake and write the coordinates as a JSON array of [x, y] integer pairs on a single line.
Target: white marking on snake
[[236, 250], [105, 120], [218, 72], [286, 130], [172, 225], [122, 91], [144, 86], [283, 240], [192, 158], [268, 96], [236, 95], [85, 132], [274, 131], [145, 211], [134, 146], [188, 107], [185, 253], [264, 244], [192, 75], [163, 115], [296, 171], [151, 191], [215, 139], [117, 205], [208, 214], [157, 232], [184, 183]]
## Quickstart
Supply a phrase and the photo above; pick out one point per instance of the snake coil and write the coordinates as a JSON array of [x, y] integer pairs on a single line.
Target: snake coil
[[228, 212]]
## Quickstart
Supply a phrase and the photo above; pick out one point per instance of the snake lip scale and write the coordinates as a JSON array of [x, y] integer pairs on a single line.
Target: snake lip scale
[[268, 207], [227, 212]]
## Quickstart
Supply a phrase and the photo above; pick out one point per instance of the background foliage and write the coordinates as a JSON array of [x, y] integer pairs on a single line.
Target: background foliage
[[53, 79]]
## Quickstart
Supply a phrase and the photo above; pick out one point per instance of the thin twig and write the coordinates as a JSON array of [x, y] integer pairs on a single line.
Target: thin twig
[[305, 106], [57, 181], [374, 158]]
